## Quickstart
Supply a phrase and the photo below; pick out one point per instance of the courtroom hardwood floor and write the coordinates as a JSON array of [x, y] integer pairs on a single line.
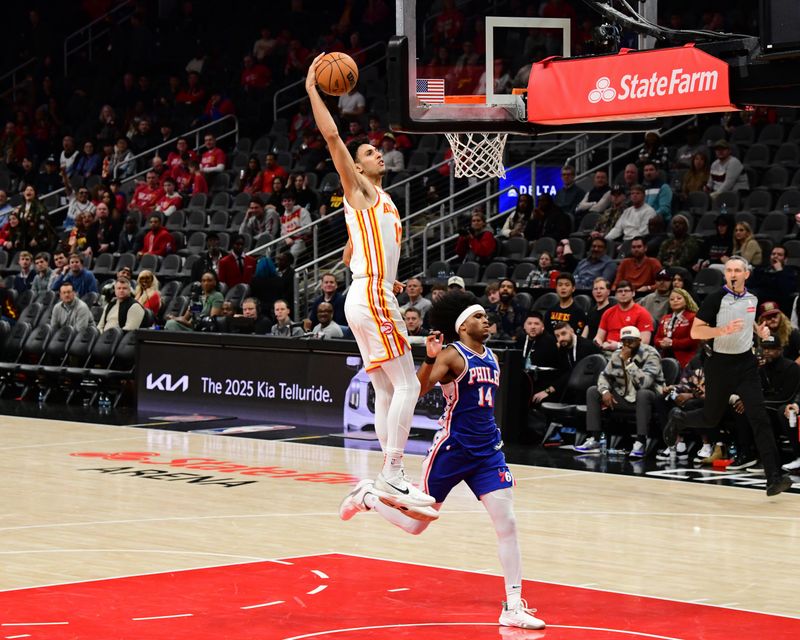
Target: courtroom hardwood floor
[[63, 520]]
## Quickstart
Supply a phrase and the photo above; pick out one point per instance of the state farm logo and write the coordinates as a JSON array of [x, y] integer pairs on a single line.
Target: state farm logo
[[165, 382], [602, 91], [633, 87]]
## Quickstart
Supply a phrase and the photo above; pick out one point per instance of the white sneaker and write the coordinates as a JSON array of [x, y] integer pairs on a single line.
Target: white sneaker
[[638, 450], [678, 451], [398, 490], [521, 617], [353, 502], [424, 514], [705, 451], [590, 444], [792, 466]]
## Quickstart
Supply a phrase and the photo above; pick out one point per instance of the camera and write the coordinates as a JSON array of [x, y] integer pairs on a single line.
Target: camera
[[464, 231], [195, 301]]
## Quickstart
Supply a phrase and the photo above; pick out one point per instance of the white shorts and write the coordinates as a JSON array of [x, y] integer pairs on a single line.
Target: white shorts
[[373, 316]]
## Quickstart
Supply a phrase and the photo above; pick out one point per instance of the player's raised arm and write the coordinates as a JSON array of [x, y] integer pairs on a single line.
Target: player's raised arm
[[431, 373], [344, 164]]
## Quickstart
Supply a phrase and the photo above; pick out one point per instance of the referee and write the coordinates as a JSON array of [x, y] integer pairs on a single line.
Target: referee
[[727, 317]]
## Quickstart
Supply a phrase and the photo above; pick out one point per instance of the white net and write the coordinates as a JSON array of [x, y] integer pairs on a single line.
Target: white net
[[478, 155]]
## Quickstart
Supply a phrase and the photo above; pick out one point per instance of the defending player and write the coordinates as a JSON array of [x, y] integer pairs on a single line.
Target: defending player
[[372, 253], [468, 446]]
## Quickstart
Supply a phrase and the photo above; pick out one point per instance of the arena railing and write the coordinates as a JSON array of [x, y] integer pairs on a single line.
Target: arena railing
[[97, 28], [301, 83], [17, 82]]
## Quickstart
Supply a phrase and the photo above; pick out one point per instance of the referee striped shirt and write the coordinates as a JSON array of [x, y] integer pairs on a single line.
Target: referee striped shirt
[[719, 308]]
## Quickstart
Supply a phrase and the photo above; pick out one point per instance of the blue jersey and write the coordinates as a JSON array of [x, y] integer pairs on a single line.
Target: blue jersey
[[469, 411]]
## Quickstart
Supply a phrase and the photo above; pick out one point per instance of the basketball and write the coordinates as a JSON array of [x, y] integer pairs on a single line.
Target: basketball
[[337, 73]]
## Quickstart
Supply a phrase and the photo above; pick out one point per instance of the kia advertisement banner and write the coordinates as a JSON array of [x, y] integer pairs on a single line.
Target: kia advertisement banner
[[628, 85]]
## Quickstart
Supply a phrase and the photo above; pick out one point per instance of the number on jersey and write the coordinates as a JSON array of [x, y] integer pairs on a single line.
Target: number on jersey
[[485, 397]]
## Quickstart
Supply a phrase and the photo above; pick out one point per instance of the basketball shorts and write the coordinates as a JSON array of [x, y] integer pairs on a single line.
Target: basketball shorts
[[448, 463], [373, 316]]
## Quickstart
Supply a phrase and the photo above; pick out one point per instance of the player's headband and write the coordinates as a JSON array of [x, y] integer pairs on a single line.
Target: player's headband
[[466, 313]]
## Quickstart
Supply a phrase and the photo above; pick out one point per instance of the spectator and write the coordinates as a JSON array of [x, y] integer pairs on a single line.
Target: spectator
[[657, 303], [673, 336], [601, 291], [88, 162], [144, 138], [236, 267], [81, 239], [157, 241], [213, 159], [12, 145], [24, 277], [250, 178], [272, 170], [60, 266], [329, 293], [79, 202], [696, 178], [598, 264], [630, 177], [255, 77], [745, 244], [123, 311], [684, 156], [146, 293], [303, 194], [639, 269], [775, 281], [355, 132], [8, 310], [352, 104], [514, 226], [41, 280], [623, 314], [170, 200], [508, 309], [250, 321], [413, 321], [217, 107], [539, 276], [5, 208], [147, 195], [780, 326], [633, 221], [539, 349], [283, 326], [570, 195], [476, 242], [326, 327], [548, 221], [120, 164], [294, 219], [572, 348], [70, 311], [12, 236], [455, 282], [107, 290], [682, 249], [182, 153], [631, 380], [657, 193], [81, 279], [208, 261], [598, 198], [69, 154], [393, 160], [50, 180], [565, 310], [718, 245], [608, 218], [653, 151], [415, 298], [130, 240], [727, 173], [206, 302], [193, 180], [275, 199]]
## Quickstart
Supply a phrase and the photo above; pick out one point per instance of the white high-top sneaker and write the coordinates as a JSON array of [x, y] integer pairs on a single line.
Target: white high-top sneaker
[[521, 617]]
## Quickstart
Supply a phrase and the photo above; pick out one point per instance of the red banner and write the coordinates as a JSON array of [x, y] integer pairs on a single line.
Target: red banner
[[628, 85]]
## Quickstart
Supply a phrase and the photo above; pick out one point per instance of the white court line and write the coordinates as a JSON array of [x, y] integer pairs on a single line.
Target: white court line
[[30, 624], [400, 589], [265, 604], [175, 615], [165, 551], [553, 476], [319, 573], [474, 624], [24, 635], [728, 604], [60, 444], [587, 585], [698, 600], [315, 591]]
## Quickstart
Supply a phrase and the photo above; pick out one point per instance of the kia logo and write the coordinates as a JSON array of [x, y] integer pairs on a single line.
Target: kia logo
[[164, 383], [603, 91]]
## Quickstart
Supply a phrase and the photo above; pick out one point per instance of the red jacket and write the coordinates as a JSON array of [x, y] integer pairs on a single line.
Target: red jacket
[[483, 246], [160, 243], [683, 345], [229, 272]]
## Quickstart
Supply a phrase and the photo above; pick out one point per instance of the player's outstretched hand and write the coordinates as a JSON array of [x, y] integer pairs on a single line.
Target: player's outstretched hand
[[433, 344], [311, 76], [397, 287]]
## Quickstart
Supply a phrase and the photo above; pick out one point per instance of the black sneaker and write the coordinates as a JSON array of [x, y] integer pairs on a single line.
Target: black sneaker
[[778, 485], [743, 461], [673, 427]]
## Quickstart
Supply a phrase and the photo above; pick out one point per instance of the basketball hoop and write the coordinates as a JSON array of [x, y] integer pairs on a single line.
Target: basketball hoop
[[478, 155]]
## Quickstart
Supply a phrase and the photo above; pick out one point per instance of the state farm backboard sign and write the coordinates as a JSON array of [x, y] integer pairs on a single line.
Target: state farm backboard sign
[[629, 85]]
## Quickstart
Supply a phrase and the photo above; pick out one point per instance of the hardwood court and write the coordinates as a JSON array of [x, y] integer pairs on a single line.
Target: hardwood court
[[91, 502]]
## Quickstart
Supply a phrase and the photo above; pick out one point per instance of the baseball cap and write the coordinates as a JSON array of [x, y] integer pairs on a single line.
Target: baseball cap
[[390, 136], [722, 143], [770, 342], [630, 332], [456, 281], [617, 188], [768, 309], [51, 159], [663, 275]]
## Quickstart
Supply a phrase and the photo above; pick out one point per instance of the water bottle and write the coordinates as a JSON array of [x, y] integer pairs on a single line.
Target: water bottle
[[441, 275], [786, 209], [603, 443], [41, 397], [723, 210], [732, 450], [793, 419]]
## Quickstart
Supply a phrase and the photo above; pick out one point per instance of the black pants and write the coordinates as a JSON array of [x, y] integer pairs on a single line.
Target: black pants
[[738, 373]]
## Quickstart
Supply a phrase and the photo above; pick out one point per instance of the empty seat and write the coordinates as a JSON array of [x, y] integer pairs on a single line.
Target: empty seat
[[495, 271], [771, 135], [698, 202], [196, 220], [170, 266], [758, 202], [774, 226], [757, 156], [775, 178], [788, 155], [789, 202], [730, 199], [469, 271]]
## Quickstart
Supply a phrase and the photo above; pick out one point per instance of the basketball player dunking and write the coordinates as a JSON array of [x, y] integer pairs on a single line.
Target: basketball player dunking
[[468, 446], [373, 315]]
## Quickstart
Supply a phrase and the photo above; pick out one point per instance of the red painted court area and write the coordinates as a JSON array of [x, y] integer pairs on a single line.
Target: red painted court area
[[352, 598]]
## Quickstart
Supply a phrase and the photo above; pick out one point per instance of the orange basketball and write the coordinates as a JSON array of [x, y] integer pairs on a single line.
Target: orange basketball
[[337, 73]]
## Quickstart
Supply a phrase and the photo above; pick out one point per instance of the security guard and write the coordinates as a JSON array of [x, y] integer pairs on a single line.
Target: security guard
[[728, 317]]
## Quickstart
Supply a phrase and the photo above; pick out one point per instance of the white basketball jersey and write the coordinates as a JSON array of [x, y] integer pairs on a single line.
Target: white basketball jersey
[[376, 234]]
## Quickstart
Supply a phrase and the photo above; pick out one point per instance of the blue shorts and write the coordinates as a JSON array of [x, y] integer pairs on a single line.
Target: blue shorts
[[448, 463]]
